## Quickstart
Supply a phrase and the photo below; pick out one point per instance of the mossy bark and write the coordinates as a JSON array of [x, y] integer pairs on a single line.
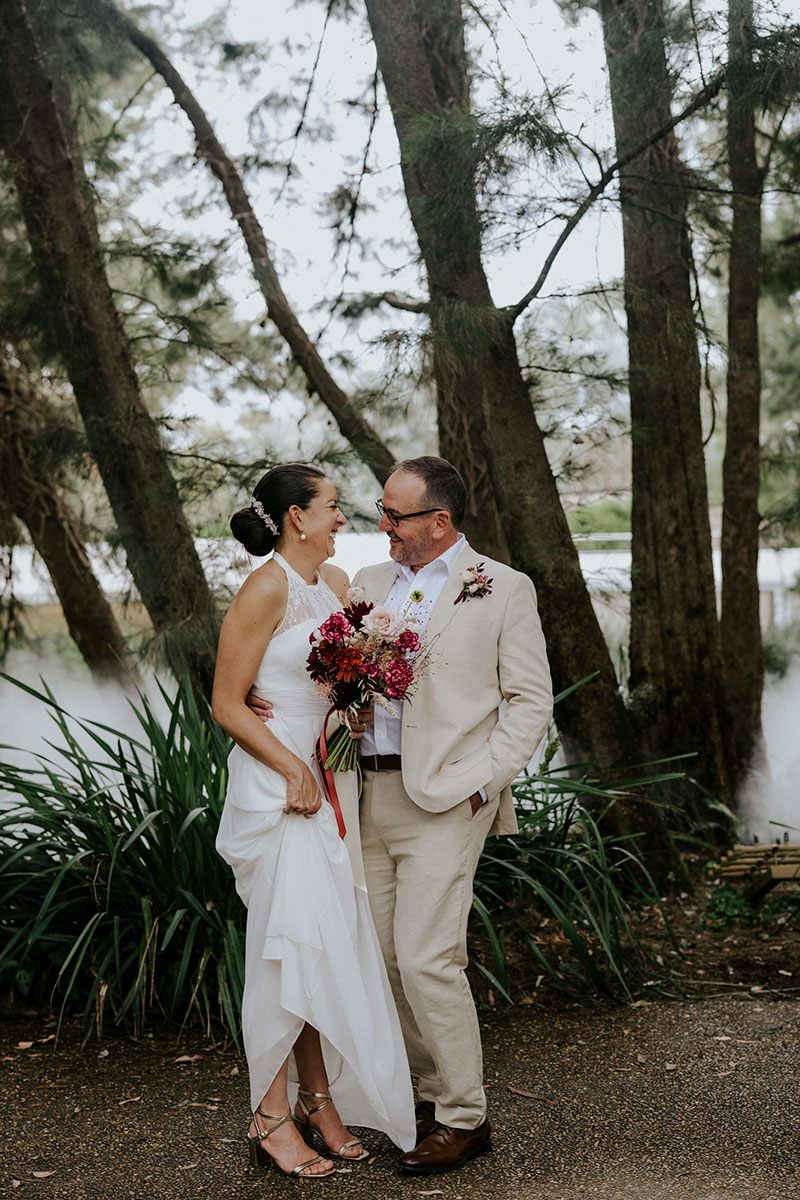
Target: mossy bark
[[676, 667], [741, 617]]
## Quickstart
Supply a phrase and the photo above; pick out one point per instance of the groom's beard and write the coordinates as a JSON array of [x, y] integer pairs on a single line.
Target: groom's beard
[[409, 550]]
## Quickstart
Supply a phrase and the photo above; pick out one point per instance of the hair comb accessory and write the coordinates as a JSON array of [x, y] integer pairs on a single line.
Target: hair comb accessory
[[260, 511]]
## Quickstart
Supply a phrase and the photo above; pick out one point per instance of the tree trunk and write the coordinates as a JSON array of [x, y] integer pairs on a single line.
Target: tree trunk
[[479, 381], [352, 425], [740, 621], [34, 496], [676, 675], [124, 440]]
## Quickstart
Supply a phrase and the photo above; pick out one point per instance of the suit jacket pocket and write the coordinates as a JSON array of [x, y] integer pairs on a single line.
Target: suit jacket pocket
[[468, 764]]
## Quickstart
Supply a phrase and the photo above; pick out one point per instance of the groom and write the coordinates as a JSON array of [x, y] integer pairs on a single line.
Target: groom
[[436, 782]]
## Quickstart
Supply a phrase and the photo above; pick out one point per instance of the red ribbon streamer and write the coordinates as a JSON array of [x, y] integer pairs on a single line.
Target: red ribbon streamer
[[327, 776]]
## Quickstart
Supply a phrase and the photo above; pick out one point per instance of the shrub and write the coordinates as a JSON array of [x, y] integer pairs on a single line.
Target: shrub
[[114, 900], [111, 892], [563, 866]]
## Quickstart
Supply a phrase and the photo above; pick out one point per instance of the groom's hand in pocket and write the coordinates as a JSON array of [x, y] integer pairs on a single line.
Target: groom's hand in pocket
[[476, 802], [262, 708]]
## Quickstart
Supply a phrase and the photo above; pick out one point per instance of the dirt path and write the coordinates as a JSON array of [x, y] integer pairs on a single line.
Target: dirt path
[[691, 1100]]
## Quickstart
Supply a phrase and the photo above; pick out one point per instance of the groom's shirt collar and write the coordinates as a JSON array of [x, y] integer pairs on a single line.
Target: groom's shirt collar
[[441, 566]]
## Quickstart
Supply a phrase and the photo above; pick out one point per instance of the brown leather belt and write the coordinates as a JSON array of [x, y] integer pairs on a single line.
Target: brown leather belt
[[381, 762]]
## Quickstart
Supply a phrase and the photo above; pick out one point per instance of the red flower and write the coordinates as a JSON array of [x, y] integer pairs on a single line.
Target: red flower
[[409, 641], [349, 663], [355, 613], [337, 626], [398, 678]]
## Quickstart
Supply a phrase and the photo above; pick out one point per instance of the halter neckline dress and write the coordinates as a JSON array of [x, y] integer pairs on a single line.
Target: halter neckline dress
[[312, 953]]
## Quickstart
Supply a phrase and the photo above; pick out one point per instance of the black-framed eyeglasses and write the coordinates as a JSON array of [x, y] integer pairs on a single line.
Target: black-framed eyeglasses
[[395, 518]]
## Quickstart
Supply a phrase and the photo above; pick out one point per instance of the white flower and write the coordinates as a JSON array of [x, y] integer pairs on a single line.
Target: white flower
[[355, 594], [384, 620], [468, 575]]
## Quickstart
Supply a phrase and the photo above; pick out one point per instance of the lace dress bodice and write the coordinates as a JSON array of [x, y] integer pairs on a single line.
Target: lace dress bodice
[[282, 677]]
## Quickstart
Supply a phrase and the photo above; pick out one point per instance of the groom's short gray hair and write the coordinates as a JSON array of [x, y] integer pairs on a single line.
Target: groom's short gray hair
[[444, 487]]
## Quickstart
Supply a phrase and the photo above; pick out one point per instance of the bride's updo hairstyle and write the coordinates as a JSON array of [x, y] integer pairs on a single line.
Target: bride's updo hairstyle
[[259, 526]]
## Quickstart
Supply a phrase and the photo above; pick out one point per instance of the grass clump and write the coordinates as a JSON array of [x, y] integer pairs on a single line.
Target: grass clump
[[727, 906], [564, 872], [112, 896]]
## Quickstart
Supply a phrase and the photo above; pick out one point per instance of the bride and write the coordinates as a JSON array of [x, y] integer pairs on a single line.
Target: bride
[[317, 1010]]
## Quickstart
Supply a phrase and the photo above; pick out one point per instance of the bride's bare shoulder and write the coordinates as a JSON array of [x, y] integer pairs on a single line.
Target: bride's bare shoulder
[[336, 579], [266, 585]]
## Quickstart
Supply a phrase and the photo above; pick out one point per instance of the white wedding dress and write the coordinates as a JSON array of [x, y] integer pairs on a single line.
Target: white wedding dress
[[312, 953]]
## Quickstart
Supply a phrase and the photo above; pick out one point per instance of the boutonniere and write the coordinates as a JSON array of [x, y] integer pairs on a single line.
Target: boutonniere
[[474, 584]]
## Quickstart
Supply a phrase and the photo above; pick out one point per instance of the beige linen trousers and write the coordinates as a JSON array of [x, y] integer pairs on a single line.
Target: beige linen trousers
[[479, 710]]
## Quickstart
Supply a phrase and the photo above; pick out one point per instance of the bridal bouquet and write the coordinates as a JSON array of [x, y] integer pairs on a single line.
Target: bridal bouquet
[[360, 655]]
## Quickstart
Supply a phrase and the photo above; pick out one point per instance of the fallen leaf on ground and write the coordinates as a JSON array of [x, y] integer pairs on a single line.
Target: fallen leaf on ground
[[721, 1037], [234, 1070], [51, 1037], [8, 1058], [438, 1193], [528, 1096], [42, 1174], [130, 1100], [640, 1058], [189, 1058], [785, 973], [23, 1045], [16, 1183]]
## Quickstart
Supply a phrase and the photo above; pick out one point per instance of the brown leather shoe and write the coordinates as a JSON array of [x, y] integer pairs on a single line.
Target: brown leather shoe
[[445, 1149], [425, 1112]]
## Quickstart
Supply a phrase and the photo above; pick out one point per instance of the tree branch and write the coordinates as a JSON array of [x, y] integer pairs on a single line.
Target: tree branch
[[703, 97], [307, 100], [412, 306]]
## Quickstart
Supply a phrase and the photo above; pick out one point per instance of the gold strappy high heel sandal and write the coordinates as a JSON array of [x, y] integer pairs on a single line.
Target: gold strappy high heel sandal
[[259, 1157], [305, 1123]]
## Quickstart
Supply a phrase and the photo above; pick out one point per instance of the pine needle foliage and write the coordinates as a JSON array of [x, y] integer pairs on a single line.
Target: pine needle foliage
[[474, 151]]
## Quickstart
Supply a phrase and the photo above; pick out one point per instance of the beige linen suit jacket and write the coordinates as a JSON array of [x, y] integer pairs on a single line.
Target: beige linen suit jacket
[[479, 653]]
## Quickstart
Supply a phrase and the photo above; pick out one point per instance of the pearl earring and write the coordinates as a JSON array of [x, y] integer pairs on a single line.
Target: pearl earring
[[302, 537]]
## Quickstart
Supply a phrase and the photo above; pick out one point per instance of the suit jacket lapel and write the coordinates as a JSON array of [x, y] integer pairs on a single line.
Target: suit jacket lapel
[[445, 607], [385, 575]]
